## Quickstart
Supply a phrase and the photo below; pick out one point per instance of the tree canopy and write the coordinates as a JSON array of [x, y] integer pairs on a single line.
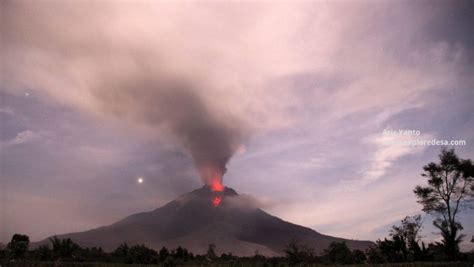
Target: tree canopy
[[450, 188]]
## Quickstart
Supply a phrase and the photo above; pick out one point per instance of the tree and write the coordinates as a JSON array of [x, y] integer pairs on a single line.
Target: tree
[[227, 256], [18, 246], [64, 249], [338, 252], [211, 253], [391, 250], [407, 236], [95, 254], [298, 253], [358, 256], [122, 253], [403, 243], [2, 252], [374, 255], [163, 254], [450, 187], [143, 255], [122, 250], [43, 253], [182, 253]]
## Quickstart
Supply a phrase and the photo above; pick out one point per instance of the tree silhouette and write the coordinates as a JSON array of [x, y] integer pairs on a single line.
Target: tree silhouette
[[298, 253], [143, 255], [63, 249], [406, 236], [182, 253], [18, 246], [122, 250], [163, 254], [43, 253], [95, 254], [374, 254], [211, 253], [392, 250], [358, 256], [450, 186], [338, 252], [122, 253]]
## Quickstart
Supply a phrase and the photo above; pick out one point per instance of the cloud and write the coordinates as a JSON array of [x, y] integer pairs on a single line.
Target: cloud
[[356, 213], [389, 148], [235, 67], [245, 201], [22, 138], [7, 110]]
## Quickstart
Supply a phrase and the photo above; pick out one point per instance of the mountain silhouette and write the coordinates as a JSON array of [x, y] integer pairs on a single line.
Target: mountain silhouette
[[191, 221]]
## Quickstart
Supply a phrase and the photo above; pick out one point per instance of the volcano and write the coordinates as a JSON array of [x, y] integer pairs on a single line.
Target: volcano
[[193, 222]]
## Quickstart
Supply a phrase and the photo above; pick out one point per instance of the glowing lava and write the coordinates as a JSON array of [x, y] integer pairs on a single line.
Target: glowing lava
[[216, 187], [212, 177], [216, 201]]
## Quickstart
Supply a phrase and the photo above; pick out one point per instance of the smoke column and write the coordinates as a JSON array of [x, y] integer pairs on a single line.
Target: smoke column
[[176, 108], [130, 61]]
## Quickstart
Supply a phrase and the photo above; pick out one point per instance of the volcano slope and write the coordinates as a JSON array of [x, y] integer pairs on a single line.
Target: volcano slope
[[191, 221]]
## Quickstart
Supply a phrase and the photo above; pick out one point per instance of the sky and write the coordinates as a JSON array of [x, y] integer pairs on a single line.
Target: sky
[[97, 94]]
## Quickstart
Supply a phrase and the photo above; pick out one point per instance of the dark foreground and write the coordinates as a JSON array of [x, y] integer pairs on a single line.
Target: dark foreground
[[229, 264]]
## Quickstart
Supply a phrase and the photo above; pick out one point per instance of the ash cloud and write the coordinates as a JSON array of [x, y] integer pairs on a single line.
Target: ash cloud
[[134, 69], [175, 107]]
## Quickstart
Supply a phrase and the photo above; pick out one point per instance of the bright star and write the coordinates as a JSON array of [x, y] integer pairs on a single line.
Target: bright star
[[140, 180]]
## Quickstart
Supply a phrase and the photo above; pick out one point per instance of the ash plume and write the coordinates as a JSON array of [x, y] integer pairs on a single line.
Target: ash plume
[[117, 67], [175, 107]]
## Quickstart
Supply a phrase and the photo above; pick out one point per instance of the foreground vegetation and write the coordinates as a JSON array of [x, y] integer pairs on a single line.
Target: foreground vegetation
[[388, 252], [227, 264]]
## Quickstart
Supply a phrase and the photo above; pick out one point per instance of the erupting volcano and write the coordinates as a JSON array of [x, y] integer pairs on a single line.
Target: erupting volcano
[[212, 177], [191, 221], [176, 108]]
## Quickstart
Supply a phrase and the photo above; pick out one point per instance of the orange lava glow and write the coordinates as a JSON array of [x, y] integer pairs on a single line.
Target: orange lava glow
[[216, 185], [212, 177], [216, 201]]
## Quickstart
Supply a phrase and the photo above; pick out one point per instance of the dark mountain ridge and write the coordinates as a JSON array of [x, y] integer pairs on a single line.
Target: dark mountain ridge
[[191, 221]]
